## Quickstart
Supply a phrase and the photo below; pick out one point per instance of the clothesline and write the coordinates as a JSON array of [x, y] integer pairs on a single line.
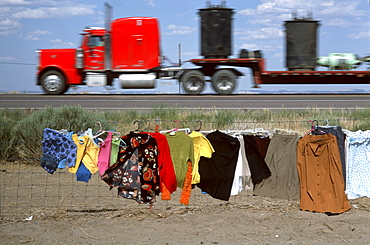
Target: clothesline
[[178, 125], [147, 124], [336, 120], [220, 162]]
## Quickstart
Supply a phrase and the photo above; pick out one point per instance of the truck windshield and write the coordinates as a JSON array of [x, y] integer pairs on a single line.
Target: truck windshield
[[95, 41]]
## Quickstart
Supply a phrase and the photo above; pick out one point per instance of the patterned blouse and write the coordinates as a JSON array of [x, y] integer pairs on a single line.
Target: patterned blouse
[[135, 173]]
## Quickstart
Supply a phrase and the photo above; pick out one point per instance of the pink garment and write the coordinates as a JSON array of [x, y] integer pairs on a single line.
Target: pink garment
[[104, 155]]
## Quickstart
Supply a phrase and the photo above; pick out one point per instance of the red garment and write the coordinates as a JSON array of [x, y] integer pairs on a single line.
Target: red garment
[[165, 165]]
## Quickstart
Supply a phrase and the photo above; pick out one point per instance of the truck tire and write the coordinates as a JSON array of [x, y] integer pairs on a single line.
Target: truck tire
[[224, 81], [53, 82], [193, 82]]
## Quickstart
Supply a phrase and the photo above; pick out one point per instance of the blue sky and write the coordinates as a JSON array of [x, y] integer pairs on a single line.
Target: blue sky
[[28, 25]]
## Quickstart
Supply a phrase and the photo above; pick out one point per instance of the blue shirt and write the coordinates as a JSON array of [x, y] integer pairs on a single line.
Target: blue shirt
[[55, 148]]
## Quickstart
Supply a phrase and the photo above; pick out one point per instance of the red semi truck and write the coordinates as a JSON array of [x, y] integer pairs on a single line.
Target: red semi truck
[[128, 50]]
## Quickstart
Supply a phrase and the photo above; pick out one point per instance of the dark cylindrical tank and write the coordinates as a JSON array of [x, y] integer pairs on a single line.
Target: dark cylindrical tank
[[301, 44], [215, 26]]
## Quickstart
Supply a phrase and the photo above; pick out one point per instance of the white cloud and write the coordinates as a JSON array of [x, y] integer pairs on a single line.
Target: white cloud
[[179, 30], [35, 35], [246, 12], [249, 46], [263, 33], [14, 2], [190, 53], [340, 22], [270, 12], [150, 2], [289, 5], [8, 26], [268, 17], [54, 12], [271, 7], [260, 46], [360, 35], [6, 23], [40, 32], [59, 43], [327, 4], [30, 37], [343, 9], [12, 13], [278, 55]]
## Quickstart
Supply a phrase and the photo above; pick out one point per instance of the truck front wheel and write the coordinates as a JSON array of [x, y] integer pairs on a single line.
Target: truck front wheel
[[193, 82], [224, 82], [53, 82]]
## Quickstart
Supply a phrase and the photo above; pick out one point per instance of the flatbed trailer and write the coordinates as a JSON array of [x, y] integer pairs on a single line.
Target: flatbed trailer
[[315, 77], [223, 74]]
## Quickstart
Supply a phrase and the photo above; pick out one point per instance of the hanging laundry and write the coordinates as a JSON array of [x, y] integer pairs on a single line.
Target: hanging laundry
[[63, 163], [105, 153], [182, 150], [358, 164], [256, 162], [55, 148], [83, 174], [186, 188], [320, 174], [165, 166], [262, 143], [281, 158], [242, 177], [337, 131], [182, 154], [87, 152], [202, 148], [116, 141], [135, 172], [246, 172], [125, 175], [80, 142], [91, 156], [217, 172]]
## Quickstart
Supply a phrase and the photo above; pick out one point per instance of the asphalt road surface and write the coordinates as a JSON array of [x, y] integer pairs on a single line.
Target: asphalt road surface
[[147, 102]]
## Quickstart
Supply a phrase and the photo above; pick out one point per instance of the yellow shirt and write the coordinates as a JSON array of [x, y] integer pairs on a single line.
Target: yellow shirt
[[87, 152], [90, 158], [202, 148]]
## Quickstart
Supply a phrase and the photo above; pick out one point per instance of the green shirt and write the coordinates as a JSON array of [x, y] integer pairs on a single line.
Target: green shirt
[[182, 150]]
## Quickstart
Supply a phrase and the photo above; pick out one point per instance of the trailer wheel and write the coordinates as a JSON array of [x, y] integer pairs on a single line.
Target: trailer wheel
[[224, 81], [54, 82], [193, 82]]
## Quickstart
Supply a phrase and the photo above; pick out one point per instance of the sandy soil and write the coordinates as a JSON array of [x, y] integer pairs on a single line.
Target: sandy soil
[[211, 224], [55, 210]]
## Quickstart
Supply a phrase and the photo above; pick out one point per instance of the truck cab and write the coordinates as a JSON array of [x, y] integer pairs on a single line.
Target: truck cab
[[92, 48], [129, 50]]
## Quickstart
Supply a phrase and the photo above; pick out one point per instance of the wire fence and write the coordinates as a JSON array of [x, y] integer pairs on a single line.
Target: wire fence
[[27, 191]]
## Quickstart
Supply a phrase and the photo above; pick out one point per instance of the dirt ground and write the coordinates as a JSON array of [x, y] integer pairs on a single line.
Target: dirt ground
[[55, 209], [211, 224]]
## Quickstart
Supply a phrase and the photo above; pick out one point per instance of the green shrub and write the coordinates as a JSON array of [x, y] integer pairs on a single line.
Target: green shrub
[[8, 118], [27, 134], [21, 131]]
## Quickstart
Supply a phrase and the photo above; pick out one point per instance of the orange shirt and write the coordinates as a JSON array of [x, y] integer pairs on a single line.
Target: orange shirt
[[320, 173]]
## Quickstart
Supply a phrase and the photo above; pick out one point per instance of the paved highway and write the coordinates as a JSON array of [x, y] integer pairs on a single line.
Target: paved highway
[[147, 102]]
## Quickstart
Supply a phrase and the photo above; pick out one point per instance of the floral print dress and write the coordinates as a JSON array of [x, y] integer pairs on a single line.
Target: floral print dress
[[135, 172]]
